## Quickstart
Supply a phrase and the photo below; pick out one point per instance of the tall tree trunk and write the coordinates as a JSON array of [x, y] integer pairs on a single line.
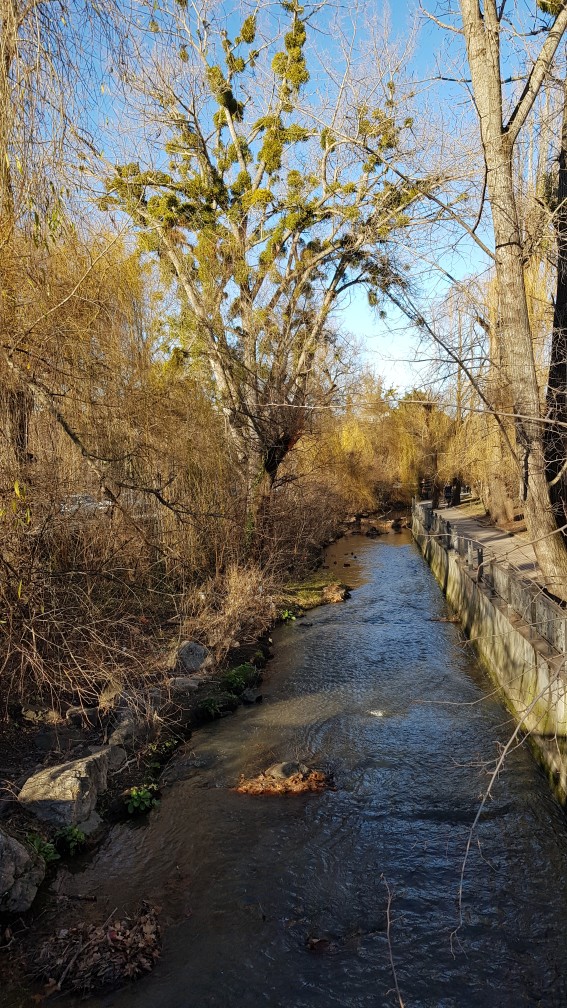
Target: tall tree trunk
[[556, 398], [499, 504], [482, 33], [17, 402]]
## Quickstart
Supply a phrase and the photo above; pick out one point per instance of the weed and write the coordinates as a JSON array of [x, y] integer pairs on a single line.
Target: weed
[[287, 616], [164, 748], [210, 706], [141, 799], [239, 678], [43, 847], [158, 754], [70, 840]]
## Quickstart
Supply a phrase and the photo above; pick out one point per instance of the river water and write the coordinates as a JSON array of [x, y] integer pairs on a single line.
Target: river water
[[390, 699]]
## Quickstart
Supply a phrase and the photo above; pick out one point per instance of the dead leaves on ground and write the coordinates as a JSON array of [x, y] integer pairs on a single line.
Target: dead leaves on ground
[[89, 957], [297, 783]]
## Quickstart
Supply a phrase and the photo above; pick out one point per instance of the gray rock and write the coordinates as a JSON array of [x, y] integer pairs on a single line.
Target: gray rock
[[373, 532], [251, 696], [41, 715], [280, 771], [93, 826], [65, 795], [82, 716], [116, 757], [185, 684], [190, 658], [21, 872], [133, 732]]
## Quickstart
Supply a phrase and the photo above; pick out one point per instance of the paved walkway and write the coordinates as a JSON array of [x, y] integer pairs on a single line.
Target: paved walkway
[[468, 520]]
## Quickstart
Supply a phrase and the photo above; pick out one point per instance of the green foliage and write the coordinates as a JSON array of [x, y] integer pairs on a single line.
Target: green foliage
[[210, 707], [139, 800], [240, 678], [158, 754], [287, 616], [553, 7], [248, 30], [70, 840], [45, 848], [222, 91]]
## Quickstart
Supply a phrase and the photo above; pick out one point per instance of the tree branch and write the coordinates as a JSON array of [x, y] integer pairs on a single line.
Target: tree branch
[[536, 76]]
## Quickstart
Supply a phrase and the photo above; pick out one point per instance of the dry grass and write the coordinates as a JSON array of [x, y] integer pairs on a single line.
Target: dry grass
[[234, 607]]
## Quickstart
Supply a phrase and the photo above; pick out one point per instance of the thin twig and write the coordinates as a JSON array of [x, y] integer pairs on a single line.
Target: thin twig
[[388, 939]]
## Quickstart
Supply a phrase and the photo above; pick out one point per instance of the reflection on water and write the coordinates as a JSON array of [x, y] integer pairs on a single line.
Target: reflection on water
[[393, 704]]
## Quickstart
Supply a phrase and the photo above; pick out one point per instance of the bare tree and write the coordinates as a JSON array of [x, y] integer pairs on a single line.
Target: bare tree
[[482, 28], [277, 200]]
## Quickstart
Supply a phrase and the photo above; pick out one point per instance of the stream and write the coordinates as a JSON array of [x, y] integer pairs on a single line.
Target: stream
[[389, 697]]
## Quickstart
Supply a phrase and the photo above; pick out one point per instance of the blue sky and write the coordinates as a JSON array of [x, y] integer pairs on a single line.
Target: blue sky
[[391, 344]]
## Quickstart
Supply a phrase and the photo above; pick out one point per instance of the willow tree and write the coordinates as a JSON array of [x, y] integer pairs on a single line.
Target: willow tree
[[46, 74], [483, 26], [272, 199]]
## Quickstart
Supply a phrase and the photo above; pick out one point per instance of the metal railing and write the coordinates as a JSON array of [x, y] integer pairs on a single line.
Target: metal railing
[[524, 597]]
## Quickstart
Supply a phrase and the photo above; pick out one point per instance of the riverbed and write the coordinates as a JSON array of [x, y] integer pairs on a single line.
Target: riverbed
[[282, 901]]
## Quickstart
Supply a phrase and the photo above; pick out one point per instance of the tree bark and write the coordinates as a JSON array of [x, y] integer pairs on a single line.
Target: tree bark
[[482, 35], [556, 397]]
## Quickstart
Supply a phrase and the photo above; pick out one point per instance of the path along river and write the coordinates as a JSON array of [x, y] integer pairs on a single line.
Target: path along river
[[393, 702]]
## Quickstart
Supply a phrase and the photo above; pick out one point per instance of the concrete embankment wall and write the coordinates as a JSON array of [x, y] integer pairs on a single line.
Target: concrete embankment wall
[[528, 671]]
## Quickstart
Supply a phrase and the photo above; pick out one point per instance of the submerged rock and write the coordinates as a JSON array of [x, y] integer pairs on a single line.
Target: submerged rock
[[285, 778], [21, 873], [334, 593], [66, 795], [373, 532], [251, 696]]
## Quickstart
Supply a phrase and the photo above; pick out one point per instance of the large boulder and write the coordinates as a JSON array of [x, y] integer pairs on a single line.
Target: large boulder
[[21, 872], [65, 795], [191, 658]]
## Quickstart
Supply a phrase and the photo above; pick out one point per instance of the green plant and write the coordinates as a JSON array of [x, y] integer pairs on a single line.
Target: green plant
[[141, 799], [287, 616], [158, 754], [164, 748], [239, 678], [43, 847], [70, 840], [210, 707]]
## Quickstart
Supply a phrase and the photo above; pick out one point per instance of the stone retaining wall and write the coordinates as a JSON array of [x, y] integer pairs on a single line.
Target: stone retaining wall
[[528, 670]]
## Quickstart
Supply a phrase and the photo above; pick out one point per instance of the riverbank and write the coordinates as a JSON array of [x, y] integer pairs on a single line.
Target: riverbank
[[499, 608], [136, 743], [282, 900]]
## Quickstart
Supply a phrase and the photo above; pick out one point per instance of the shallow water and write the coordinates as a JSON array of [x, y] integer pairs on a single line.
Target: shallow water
[[394, 704]]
